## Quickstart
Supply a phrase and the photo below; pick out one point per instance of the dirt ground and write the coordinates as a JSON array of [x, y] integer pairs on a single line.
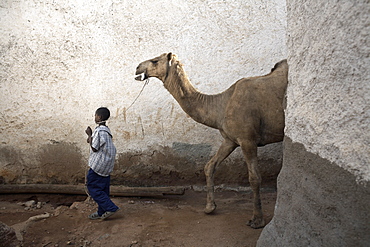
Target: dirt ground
[[162, 221]]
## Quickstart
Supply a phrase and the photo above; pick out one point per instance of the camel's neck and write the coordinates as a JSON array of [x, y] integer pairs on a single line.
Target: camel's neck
[[202, 108]]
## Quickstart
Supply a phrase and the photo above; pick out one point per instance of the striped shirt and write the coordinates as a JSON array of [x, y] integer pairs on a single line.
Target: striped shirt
[[102, 161]]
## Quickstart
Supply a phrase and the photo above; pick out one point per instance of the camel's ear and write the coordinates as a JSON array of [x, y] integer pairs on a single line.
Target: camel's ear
[[169, 58]]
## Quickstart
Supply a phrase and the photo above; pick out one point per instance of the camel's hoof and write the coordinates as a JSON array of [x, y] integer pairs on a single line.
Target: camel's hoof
[[210, 208], [256, 223]]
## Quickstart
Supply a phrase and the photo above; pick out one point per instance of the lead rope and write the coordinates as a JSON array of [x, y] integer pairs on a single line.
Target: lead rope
[[145, 83]]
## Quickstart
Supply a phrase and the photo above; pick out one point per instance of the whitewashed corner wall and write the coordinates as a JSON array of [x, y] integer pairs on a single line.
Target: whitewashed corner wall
[[329, 92], [61, 60], [324, 186]]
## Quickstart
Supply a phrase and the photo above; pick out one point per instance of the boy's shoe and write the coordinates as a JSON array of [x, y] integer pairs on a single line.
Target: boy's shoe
[[108, 214], [94, 216]]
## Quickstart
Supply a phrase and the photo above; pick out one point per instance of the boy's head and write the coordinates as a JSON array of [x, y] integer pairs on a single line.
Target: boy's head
[[102, 114]]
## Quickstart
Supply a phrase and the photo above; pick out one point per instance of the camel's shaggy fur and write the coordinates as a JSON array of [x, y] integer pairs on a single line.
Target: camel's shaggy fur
[[248, 114]]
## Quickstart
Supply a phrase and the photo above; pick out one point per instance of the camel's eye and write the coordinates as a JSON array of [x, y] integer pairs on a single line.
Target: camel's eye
[[154, 61]]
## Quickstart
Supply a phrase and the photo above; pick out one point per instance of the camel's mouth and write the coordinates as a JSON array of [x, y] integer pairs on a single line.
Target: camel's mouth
[[141, 77]]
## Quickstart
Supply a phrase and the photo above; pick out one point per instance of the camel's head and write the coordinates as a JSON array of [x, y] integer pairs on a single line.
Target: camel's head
[[156, 67]]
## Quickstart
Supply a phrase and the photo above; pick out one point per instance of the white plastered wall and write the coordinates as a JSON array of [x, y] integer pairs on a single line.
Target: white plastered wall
[[328, 94], [61, 60]]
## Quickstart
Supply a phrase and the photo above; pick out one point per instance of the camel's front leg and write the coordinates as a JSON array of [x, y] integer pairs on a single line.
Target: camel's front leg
[[250, 153], [225, 150]]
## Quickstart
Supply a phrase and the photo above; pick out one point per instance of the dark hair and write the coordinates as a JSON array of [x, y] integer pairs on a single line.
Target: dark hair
[[103, 112]]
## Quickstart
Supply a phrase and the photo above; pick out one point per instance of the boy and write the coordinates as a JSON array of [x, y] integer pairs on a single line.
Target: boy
[[101, 163]]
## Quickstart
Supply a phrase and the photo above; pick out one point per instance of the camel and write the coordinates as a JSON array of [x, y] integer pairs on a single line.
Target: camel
[[249, 114]]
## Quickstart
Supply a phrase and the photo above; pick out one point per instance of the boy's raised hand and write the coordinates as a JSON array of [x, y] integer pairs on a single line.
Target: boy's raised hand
[[88, 131]]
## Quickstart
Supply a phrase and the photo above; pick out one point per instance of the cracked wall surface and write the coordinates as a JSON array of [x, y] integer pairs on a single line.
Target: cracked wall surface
[[61, 60]]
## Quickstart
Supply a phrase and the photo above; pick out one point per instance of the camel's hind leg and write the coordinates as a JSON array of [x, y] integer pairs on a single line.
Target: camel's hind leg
[[250, 153], [225, 150]]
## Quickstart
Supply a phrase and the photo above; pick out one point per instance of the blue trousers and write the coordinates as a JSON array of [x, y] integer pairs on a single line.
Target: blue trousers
[[98, 187]]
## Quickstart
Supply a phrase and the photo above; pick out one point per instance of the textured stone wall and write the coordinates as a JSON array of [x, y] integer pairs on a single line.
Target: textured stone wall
[[324, 186], [328, 98], [61, 60]]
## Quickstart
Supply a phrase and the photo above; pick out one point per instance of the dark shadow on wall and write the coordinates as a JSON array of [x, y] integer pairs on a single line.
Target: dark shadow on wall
[[55, 163], [318, 204], [11, 170], [61, 163], [183, 164]]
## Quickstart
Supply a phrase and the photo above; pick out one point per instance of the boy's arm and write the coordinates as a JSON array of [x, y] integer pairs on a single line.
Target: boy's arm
[[88, 131]]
